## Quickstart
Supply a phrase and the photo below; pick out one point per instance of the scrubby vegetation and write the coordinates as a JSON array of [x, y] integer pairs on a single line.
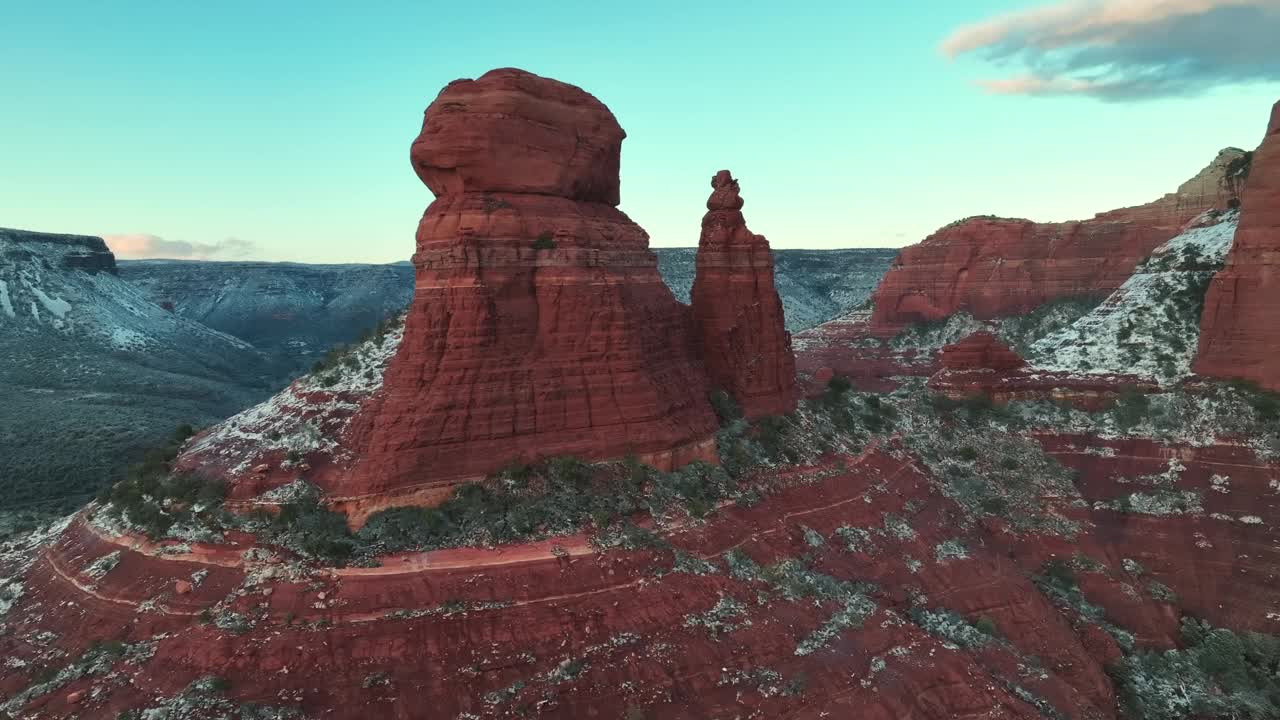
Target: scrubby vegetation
[[348, 358], [544, 241], [560, 496], [1057, 580], [1021, 331], [206, 698], [154, 500], [1218, 674]]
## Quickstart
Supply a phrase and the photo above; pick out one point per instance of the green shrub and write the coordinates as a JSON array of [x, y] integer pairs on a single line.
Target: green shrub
[[1218, 674], [544, 241], [726, 407]]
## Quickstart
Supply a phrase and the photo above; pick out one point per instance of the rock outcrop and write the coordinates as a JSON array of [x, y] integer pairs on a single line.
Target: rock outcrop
[[736, 310], [540, 325], [993, 267], [981, 351], [1240, 334]]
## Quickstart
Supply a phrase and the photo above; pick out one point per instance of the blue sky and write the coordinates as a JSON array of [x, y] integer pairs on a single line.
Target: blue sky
[[281, 131]]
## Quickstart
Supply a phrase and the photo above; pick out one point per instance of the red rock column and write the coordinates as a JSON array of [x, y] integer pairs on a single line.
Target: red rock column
[[737, 313], [539, 325], [1240, 327]]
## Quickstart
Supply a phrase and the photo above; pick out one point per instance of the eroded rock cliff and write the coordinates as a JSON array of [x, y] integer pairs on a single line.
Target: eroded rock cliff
[[1240, 326], [992, 267], [539, 325]]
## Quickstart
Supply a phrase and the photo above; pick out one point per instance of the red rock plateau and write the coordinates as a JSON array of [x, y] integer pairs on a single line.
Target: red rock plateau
[[993, 267], [736, 310], [1240, 327]]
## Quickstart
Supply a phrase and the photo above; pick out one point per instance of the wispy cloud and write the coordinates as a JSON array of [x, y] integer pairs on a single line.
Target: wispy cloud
[[142, 245], [1127, 49]]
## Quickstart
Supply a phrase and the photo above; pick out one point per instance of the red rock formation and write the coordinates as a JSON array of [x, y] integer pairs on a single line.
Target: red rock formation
[[540, 325], [736, 310], [981, 351], [993, 267], [981, 364], [1240, 327], [563, 630]]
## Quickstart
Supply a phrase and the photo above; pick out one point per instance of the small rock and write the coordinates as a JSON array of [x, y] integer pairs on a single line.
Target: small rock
[[261, 469], [182, 587], [75, 697]]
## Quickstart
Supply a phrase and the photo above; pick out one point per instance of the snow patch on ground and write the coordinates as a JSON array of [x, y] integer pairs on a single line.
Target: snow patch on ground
[[55, 305], [127, 339], [1150, 326], [311, 415]]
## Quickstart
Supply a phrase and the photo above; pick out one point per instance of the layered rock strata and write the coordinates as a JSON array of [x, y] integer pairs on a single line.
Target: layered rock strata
[[1240, 325], [993, 267], [736, 310], [539, 325]]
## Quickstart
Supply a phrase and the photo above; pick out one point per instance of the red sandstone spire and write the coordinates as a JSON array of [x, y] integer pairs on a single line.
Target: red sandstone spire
[[1240, 327], [540, 325], [736, 310]]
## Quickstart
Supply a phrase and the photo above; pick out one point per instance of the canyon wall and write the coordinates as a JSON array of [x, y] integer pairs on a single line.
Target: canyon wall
[[1240, 325], [993, 267]]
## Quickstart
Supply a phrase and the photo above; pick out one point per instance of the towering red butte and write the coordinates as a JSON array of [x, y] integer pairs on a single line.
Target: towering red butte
[[736, 309], [1240, 328], [540, 325]]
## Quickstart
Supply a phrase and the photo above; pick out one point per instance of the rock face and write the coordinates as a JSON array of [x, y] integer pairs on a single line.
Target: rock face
[[736, 310], [993, 267], [981, 351], [1239, 335], [540, 325]]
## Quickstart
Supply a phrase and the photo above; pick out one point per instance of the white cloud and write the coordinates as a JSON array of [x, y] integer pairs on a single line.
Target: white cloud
[[1127, 49], [142, 245]]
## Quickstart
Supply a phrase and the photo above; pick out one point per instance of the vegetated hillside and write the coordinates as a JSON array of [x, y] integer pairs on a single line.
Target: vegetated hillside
[[294, 310], [1151, 325], [92, 373], [815, 285], [300, 310]]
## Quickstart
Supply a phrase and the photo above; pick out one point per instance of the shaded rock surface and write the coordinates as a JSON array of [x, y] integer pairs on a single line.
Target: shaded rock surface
[[1240, 326], [737, 314]]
